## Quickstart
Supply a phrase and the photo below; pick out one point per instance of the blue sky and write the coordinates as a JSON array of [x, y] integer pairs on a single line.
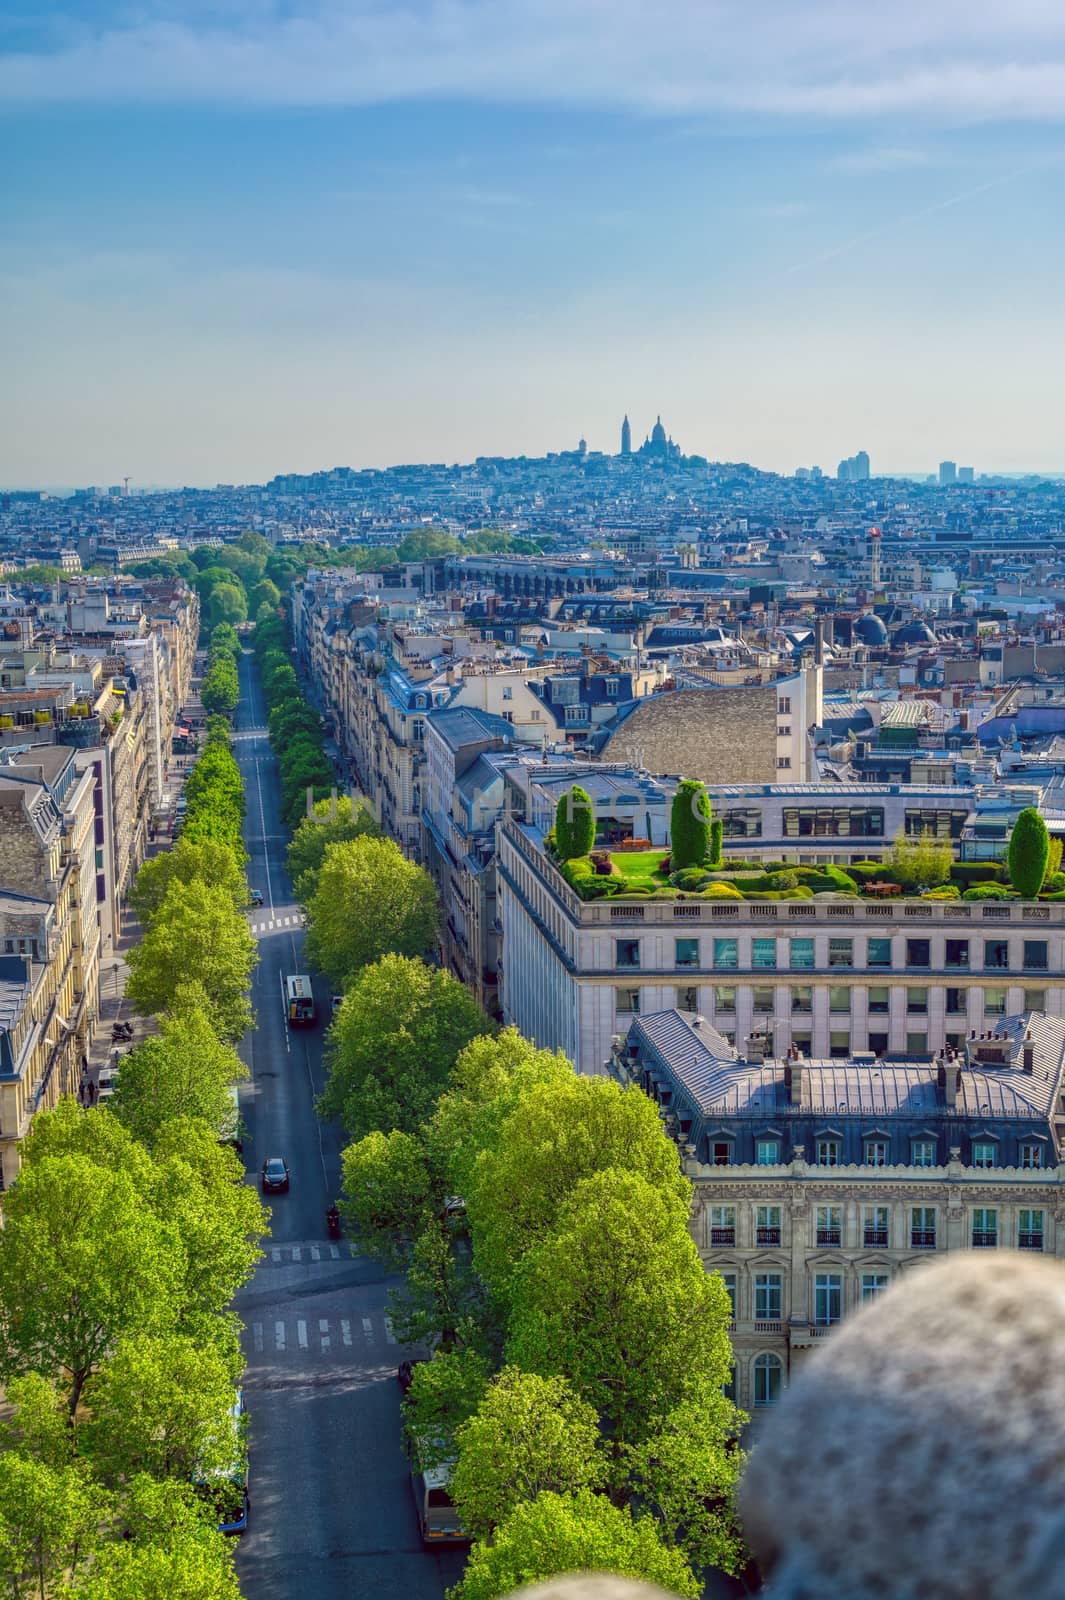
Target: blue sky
[[268, 237]]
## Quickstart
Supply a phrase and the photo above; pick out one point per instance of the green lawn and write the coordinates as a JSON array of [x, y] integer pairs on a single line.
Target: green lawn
[[640, 866]]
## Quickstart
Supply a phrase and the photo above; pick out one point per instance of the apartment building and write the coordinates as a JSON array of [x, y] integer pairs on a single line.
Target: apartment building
[[817, 1182], [50, 936], [827, 976]]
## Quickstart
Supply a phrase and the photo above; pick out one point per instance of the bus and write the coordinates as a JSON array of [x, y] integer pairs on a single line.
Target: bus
[[227, 1490], [299, 1000], [438, 1521], [232, 1130]]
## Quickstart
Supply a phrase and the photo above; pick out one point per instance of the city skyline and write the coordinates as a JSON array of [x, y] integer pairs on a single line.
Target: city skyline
[[252, 240]]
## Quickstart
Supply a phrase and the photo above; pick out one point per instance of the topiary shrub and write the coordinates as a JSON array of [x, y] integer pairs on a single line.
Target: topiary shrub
[[717, 839], [965, 873], [1055, 882], [946, 891], [1028, 853], [869, 872], [690, 878], [783, 880], [574, 823], [987, 891], [689, 824], [720, 891]]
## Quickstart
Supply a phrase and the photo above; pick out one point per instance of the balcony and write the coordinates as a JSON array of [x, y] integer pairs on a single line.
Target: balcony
[[1030, 1241], [722, 1238], [876, 1238], [830, 1237], [985, 1238], [769, 1327], [922, 1239], [768, 1236]]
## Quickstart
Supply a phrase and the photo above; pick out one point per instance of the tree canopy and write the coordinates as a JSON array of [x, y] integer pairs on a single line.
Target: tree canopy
[[689, 827], [196, 930], [369, 901], [185, 1070], [332, 823], [1028, 853]]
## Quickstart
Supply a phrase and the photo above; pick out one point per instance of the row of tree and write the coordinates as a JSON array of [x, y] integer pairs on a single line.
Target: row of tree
[[125, 1238], [295, 728], [220, 689]]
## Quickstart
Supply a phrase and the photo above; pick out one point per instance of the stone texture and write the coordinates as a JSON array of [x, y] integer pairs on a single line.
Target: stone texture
[[718, 735], [920, 1454]]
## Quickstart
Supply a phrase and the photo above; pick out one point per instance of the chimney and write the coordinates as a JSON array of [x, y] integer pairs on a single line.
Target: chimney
[[793, 1083], [1028, 1057], [948, 1082]]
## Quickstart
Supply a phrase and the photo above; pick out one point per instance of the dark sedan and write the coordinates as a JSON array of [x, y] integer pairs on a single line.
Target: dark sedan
[[275, 1175]]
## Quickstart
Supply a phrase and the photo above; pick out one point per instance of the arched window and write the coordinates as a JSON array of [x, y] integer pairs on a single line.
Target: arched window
[[768, 1380]]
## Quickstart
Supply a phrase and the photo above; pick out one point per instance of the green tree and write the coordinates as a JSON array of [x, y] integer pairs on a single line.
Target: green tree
[[247, 565], [226, 602], [442, 1300], [183, 1071], [220, 689], [574, 823], [1053, 859], [443, 1394], [1028, 853], [554, 1137], [225, 637], [206, 861], [160, 1405], [38, 1423], [266, 594], [922, 862], [162, 1545], [395, 1039], [369, 900], [47, 1515], [390, 1194], [424, 544], [330, 824], [82, 1261], [198, 1186], [717, 838], [582, 1532], [618, 1301], [196, 930], [528, 1434], [689, 826]]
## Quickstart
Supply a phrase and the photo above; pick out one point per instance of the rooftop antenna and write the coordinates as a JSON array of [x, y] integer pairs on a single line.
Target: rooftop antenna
[[125, 484]]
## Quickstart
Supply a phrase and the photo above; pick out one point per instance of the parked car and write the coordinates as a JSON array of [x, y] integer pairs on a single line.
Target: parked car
[[275, 1175], [255, 897]]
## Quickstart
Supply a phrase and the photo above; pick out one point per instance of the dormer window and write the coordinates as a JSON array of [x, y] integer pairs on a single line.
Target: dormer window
[[984, 1153], [1031, 1153]]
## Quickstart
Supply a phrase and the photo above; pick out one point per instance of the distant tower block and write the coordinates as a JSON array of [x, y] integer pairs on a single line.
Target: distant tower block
[[626, 438], [874, 559]]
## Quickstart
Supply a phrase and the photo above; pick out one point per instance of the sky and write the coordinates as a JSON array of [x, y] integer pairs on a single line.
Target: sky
[[279, 235]]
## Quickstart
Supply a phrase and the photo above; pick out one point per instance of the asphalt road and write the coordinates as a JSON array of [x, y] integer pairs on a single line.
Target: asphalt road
[[331, 1508]]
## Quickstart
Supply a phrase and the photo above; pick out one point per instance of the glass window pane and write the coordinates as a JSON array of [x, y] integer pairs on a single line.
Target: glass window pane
[[764, 953], [802, 953], [725, 953], [878, 953]]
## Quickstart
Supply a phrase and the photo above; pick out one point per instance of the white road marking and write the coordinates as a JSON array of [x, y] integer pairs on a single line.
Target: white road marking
[[334, 1252], [367, 1328], [389, 1335], [257, 1335], [316, 1254], [287, 921], [270, 924], [323, 1329], [301, 1333], [275, 1255], [295, 1252], [279, 1335], [345, 1330]]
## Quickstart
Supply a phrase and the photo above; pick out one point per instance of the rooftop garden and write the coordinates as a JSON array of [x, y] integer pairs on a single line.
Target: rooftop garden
[[694, 867]]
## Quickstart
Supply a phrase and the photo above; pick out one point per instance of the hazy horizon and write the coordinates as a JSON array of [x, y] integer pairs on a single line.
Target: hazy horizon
[[257, 237]]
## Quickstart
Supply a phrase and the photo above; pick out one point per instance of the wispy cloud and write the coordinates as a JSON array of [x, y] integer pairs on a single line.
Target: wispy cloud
[[774, 58], [881, 158]]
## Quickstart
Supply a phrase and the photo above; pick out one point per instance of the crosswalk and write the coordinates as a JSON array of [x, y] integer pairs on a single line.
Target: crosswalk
[[322, 1335], [277, 922], [300, 1254]]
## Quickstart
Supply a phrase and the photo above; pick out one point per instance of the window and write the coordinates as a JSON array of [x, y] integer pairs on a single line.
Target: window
[[1035, 1000], [956, 1002], [985, 1228], [721, 1153], [768, 1380], [628, 1001], [916, 1044], [764, 954], [940, 824], [997, 954], [1029, 1230], [876, 1152], [686, 952], [994, 1002], [841, 952], [729, 1280], [801, 954], [923, 1153], [828, 1152], [784, 706], [879, 1002], [873, 1284], [829, 1225], [763, 999], [919, 953], [725, 953], [1035, 955], [743, 822], [722, 1226], [724, 997], [802, 998], [878, 953], [828, 1298], [878, 1043], [784, 731], [508, 693], [957, 955], [767, 1296], [1031, 1153], [768, 1225], [766, 1152], [688, 999], [626, 952], [839, 997], [984, 1154], [875, 1227], [923, 1228], [783, 762], [917, 1001], [612, 688]]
